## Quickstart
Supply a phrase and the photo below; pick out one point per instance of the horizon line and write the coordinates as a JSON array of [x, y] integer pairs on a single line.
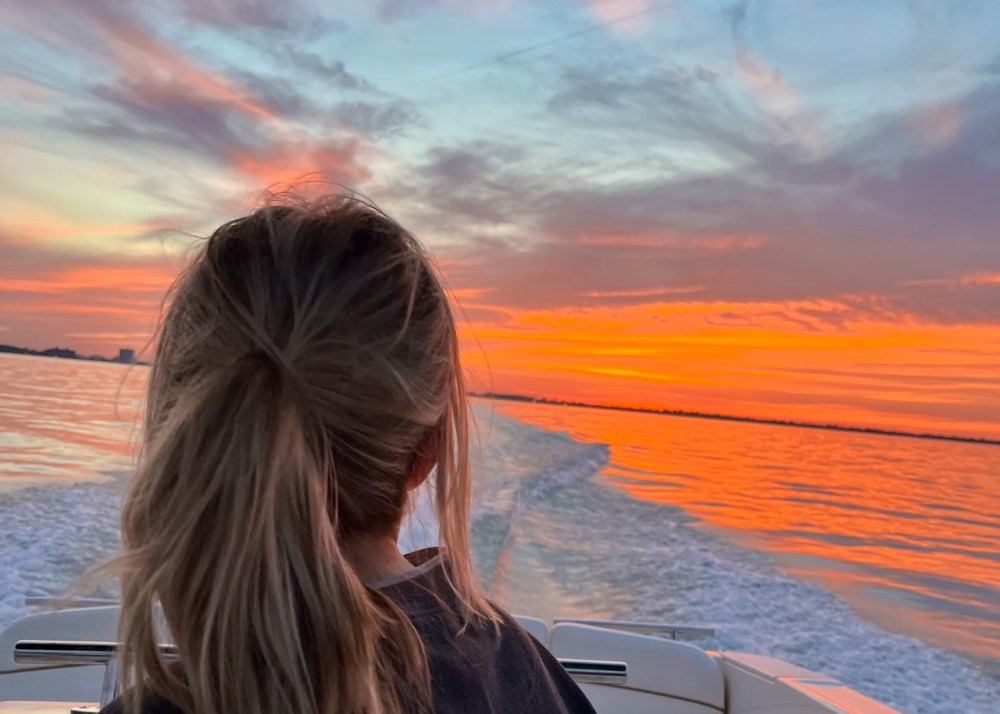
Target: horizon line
[[61, 353], [692, 414]]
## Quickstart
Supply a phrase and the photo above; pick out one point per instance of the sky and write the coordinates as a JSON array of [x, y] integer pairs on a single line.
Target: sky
[[785, 209]]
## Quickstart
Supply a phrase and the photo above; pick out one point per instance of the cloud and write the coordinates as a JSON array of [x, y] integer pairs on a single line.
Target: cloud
[[623, 15], [880, 211], [106, 31], [937, 125], [647, 293], [773, 96], [652, 98], [330, 71], [264, 128], [290, 17], [168, 116], [627, 16], [394, 10], [51, 296], [288, 161], [978, 278], [43, 227], [375, 120]]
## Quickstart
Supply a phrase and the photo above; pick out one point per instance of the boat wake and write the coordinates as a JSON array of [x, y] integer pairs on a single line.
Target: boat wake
[[553, 537]]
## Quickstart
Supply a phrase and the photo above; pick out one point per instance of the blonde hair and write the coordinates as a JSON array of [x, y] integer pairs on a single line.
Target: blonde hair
[[307, 356]]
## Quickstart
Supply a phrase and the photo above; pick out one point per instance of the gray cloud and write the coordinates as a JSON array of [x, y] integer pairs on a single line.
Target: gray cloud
[[376, 120], [169, 114], [301, 19], [391, 10], [872, 216], [332, 72]]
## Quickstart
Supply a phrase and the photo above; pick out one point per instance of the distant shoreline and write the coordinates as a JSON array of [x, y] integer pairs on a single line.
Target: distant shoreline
[[730, 417], [65, 353]]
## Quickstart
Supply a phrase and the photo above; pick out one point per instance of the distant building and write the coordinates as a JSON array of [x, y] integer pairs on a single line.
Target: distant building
[[126, 356]]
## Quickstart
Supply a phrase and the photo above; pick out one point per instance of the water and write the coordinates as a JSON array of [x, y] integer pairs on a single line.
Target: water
[[873, 559], [66, 421]]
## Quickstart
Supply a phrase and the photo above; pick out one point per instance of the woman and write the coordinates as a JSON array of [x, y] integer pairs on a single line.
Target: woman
[[307, 379]]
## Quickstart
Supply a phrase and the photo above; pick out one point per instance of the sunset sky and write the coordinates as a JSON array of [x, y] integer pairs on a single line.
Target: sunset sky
[[781, 209]]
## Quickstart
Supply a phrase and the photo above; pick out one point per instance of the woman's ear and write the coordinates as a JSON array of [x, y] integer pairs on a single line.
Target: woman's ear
[[427, 458]]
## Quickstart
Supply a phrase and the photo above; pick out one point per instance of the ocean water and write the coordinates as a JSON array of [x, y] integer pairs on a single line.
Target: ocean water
[[873, 559]]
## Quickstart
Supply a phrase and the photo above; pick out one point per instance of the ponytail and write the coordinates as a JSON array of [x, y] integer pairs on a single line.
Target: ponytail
[[266, 612]]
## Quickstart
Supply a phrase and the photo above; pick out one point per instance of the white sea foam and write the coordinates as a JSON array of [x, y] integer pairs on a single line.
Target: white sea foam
[[49, 535]]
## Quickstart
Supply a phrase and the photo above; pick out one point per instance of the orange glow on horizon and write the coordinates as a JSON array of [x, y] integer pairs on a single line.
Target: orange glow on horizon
[[78, 278], [820, 361], [94, 309], [876, 374]]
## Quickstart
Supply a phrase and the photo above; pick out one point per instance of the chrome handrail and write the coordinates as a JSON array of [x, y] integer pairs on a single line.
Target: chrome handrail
[[73, 653], [80, 653], [674, 632], [596, 671], [89, 653]]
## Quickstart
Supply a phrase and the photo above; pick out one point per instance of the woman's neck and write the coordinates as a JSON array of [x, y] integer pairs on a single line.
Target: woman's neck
[[375, 558]]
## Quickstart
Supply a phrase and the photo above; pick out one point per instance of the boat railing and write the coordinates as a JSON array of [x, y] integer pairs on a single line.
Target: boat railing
[[64, 653], [50, 601], [75, 654], [673, 632]]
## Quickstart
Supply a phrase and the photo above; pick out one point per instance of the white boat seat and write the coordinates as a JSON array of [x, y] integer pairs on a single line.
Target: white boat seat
[[663, 675], [535, 627], [69, 684]]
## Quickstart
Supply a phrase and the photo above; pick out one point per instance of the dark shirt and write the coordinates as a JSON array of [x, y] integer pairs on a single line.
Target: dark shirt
[[482, 669]]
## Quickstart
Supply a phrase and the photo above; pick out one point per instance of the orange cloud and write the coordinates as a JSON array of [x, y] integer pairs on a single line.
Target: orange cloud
[[981, 279], [287, 163], [967, 280], [651, 292], [49, 299], [118, 278], [661, 241], [136, 52]]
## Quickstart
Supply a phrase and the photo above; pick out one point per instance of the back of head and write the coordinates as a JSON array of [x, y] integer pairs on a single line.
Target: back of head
[[308, 358]]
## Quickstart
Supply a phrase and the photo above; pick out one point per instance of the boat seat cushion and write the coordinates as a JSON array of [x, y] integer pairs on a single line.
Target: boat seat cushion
[[654, 664], [535, 627]]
